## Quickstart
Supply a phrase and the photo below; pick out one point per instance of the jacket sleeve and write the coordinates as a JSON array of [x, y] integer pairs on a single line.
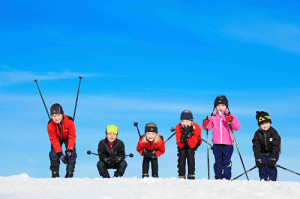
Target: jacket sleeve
[[54, 139], [210, 124], [178, 136], [235, 123], [122, 151], [72, 136], [161, 148], [101, 150], [276, 144], [194, 139], [140, 147], [256, 146]]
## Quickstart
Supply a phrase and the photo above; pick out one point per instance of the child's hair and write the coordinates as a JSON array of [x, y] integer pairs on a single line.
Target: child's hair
[[157, 138]]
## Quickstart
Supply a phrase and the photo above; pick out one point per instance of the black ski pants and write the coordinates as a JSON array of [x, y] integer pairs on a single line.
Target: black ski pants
[[55, 162], [154, 167], [102, 168], [183, 155]]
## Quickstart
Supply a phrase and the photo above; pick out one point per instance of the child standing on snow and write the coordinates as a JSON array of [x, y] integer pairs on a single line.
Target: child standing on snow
[[266, 147], [222, 137], [151, 146], [188, 139], [111, 153], [61, 130]]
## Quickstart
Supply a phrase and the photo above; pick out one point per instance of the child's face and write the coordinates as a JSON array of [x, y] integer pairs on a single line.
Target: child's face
[[111, 137], [151, 136], [221, 107], [57, 118], [265, 126], [186, 123]]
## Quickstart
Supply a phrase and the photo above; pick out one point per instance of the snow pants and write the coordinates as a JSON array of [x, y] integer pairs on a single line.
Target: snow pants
[[103, 169], [154, 167], [222, 166], [267, 173], [186, 154], [55, 162]]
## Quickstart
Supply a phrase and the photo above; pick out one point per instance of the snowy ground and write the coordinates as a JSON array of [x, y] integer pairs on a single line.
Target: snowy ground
[[24, 187]]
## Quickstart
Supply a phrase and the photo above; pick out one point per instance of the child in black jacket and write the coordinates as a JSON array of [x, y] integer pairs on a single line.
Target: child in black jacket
[[266, 147], [111, 154]]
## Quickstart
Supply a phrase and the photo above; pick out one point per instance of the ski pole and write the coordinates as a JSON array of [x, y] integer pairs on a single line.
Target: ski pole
[[208, 144], [244, 173], [238, 150], [137, 127], [42, 98], [77, 98], [287, 169], [172, 130], [207, 151], [89, 153]]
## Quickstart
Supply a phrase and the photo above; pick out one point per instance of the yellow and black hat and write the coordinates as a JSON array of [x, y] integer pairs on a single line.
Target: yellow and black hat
[[112, 129], [262, 117]]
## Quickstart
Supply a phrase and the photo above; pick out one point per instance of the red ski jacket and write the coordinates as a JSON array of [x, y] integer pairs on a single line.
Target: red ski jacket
[[61, 132], [158, 147], [193, 140]]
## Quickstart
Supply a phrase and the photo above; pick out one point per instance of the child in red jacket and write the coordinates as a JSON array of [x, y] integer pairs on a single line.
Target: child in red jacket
[[151, 146], [61, 130], [188, 138]]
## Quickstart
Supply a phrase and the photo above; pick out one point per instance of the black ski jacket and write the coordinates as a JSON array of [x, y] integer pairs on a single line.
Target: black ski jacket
[[266, 143], [104, 150]]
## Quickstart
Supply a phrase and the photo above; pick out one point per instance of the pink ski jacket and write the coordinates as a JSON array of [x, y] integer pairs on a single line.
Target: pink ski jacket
[[221, 130]]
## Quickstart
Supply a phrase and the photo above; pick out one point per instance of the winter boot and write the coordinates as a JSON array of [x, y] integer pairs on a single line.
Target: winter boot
[[145, 175], [69, 175], [191, 177], [181, 177], [55, 174]]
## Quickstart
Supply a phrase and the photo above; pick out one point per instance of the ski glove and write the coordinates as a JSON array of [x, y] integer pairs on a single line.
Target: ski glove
[[259, 163], [272, 162], [62, 157], [107, 160], [228, 118], [117, 159], [206, 122], [153, 155]]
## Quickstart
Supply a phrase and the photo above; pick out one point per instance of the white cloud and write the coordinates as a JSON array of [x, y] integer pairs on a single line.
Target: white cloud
[[16, 76]]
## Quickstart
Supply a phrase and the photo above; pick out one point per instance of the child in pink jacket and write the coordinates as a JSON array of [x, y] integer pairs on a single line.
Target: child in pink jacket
[[222, 137]]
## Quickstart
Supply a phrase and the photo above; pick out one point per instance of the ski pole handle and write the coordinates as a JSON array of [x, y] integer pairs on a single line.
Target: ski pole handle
[[137, 127], [172, 130]]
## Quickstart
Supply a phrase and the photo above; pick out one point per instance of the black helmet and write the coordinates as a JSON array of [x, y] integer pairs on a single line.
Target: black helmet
[[56, 109]]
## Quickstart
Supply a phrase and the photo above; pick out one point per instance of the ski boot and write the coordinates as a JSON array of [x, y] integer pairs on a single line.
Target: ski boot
[[145, 175], [55, 174], [69, 175], [191, 177]]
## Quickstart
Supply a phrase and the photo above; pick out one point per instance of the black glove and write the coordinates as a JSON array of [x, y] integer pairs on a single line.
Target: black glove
[[187, 133], [107, 160], [147, 154], [259, 163], [117, 159], [272, 162], [152, 155], [68, 155], [62, 157]]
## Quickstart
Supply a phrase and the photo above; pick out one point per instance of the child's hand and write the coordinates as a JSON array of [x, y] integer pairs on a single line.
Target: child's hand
[[228, 118], [206, 122], [259, 163]]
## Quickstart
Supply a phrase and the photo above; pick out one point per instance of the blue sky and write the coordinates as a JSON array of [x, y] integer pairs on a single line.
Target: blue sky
[[146, 61]]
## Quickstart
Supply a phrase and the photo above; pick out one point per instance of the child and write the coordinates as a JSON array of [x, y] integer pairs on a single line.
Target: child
[[266, 147], [111, 153], [61, 131], [188, 139], [151, 146], [222, 137]]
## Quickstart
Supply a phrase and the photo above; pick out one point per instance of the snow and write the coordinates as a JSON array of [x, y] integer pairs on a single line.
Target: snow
[[25, 187]]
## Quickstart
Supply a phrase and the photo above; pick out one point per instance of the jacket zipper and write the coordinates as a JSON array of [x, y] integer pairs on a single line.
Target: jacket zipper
[[221, 129], [266, 141]]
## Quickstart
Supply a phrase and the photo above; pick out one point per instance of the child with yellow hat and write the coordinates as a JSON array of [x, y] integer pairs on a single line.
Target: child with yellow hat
[[111, 153]]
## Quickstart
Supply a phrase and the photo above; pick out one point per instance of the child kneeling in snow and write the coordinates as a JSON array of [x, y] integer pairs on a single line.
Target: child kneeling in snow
[[266, 147], [222, 137], [151, 146], [111, 154], [188, 139]]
